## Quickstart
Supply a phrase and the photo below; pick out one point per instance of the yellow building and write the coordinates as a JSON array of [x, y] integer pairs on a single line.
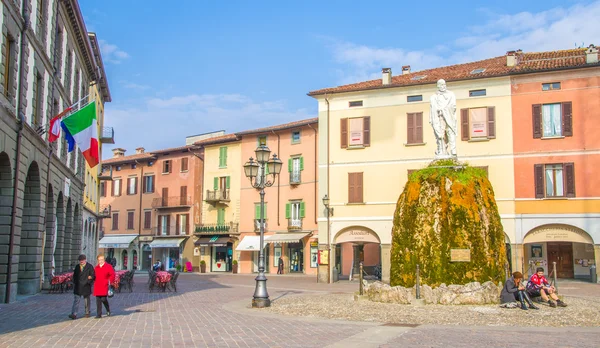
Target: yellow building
[[218, 233], [100, 93], [372, 134]]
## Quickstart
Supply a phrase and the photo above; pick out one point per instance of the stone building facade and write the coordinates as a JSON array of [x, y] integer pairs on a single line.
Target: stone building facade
[[46, 65]]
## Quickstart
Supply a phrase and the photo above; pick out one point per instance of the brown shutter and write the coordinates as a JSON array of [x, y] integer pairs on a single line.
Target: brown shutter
[[177, 224], [128, 183], [153, 183], [419, 127], [464, 122], [144, 180], [171, 166], [120, 187], [344, 133], [491, 119], [147, 217], [367, 131], [112, 189], [187, 223], [538, 174], [358, 184], [569, 169], [567, 119], [165, 196], [351, 188], [168, 225], [410, 128], [135, 188], [537, 121], [183, 195]]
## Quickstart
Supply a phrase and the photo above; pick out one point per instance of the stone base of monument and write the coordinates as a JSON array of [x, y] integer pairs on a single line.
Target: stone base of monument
[[418, 303]]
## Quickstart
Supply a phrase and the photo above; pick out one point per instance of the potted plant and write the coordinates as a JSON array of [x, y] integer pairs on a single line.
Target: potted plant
[[202, 266], [178, 268], [235, 267]]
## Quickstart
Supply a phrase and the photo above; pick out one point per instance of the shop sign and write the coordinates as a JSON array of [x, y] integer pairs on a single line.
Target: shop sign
[[357, 236], [314, 244], [323, 257], [558, 234], [146, 238], [460, 255]]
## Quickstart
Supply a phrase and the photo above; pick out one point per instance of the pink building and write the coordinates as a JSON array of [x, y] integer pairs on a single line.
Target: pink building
[[290, 204]]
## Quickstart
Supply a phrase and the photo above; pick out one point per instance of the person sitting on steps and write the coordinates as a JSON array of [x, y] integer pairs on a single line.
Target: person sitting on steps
[[538, 286], [513, 291]]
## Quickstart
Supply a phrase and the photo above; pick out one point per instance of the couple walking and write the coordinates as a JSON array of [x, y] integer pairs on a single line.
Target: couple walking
[[84, 275]]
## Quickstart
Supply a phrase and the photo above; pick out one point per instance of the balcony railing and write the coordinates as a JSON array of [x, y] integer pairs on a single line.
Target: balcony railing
[[107, 135], [230, 228], [294, 224], [295, 178], [172, 202], [257, 223], [217, 196], [170, 231]]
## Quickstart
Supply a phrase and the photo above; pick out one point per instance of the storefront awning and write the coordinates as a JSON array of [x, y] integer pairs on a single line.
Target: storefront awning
[[250, 243], [286, 237], [116, 241], [166, 242], [213, 241]]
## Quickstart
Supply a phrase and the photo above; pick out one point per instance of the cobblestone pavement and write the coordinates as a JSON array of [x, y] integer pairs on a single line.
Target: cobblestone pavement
[[212, 311]]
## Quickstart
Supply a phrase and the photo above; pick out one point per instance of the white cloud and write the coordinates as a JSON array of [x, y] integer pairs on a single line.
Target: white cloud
[[557, 28], [135, 86], [112, 53]]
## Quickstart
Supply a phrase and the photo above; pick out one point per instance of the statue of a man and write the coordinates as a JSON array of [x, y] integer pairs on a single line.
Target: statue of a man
[[443, 120]]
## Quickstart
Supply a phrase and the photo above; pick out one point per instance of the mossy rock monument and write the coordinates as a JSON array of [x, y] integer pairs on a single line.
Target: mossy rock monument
[[447, 222]]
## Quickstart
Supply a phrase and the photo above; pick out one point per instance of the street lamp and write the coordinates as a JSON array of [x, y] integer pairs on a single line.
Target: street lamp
[[326, 202], [256, 172]]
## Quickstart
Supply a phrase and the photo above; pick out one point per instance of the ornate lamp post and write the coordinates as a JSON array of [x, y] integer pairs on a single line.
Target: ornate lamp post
[[256, 172]]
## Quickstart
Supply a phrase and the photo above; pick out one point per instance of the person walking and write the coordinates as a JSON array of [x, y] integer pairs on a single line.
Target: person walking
[[280, 265], [83, 277], [105, 275]]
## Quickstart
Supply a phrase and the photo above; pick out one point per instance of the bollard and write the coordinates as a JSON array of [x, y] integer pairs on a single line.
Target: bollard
[[554, 275], [418, 283], [360, 279]]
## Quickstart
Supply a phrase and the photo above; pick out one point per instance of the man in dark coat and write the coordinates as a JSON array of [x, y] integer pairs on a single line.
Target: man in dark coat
[[83, 277]]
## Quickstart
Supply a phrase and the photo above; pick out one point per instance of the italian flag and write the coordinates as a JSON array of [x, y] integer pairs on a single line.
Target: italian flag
[[83, 126]]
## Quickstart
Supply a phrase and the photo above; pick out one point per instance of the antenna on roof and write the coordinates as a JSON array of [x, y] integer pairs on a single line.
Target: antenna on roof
[[582, 45]]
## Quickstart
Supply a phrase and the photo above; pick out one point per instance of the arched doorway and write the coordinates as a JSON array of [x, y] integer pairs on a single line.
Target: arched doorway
[[6, 195], [50, 234], [354, 245], [146, 257], [31, 234], [570, 248]]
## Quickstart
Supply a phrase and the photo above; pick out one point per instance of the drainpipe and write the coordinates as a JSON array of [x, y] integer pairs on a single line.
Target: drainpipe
[[279, 179], [328, 211], [139, 253], [201, 183], [20, 121], [316, 181]]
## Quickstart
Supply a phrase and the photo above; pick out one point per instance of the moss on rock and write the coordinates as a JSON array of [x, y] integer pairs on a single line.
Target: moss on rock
[[447, 205]]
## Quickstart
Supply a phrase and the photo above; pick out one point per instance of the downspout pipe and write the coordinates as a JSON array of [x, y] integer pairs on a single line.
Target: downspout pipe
[[21, 122], [316, 181], [140, 217], [278, 179], [329, 280]]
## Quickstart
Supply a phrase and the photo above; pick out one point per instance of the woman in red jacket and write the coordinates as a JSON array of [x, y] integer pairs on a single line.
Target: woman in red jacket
[[105, 274]]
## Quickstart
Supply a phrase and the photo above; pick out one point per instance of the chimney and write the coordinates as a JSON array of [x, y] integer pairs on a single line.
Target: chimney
[[386, 76], [118, 152], [511, 58], [591, 55], [406, 70], [140, 150]]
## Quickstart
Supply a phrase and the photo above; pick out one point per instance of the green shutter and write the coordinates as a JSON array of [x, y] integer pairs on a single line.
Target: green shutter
[[220, 157], [301, 209], [290, 165], [221, 217], [223, 156], [257, 211], [216, 183], [225, 160], [228, 179], [301, 163], [288, 210]]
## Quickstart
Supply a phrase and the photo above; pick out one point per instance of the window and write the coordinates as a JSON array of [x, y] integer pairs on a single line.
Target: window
[[553, 120], [42, 17], [184, 164], [183, 198], [165, 197], [38, 90], [182, 224], [355, 132], [414, 98], [133, 165], [550, 86], [478, 123], [296, 137], [554, 180], [262, 140], [478, 71], [164, 229], [294, 212], [257, 211], [132, 185], [59, 51], [356, 103], [115, 221], [68, 69], [130, 216], [221, 216], [295, 167], [223, 157], [355, 187], [148, 184], [414, 126], [118, 168], [9, 65], [222, 184], [102, 189], [166, 167], [116, 187], [147, 219], [477, 93]]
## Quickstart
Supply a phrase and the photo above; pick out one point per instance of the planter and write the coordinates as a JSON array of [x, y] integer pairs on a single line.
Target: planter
[[234, 268], [202, 268]]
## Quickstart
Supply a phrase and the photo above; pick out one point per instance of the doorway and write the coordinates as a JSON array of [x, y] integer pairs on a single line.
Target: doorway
[[296, 258], [562, 254]]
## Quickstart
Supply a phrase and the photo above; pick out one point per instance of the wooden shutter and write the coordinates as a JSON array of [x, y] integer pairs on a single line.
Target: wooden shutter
[[302, 209], [216, 183], [184, 164], [344, 133], [115, 221], [464, 124], [567, 119], [367, 131], [102, 189], [128, 183], [538, 174], [256, 211], [228, 182], [183, 195], [120, 187], [225, 151], [569, 169], [144, 183], [358, 182], [177, 223], [351, 189], [419, 127], [147, 218], [410, 128], [187, 223], [491, 120], [130, 220], [290, 165], [165, 196], [168, 225], [288, 210], [537, 120], [301, 163], [135, 187], [112, 188]]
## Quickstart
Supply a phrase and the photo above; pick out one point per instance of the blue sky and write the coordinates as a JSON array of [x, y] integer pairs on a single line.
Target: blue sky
[[191, 67]]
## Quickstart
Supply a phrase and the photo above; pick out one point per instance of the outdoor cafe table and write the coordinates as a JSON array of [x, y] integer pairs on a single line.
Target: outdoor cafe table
[[118, 275], [163, 278], [62, 278]]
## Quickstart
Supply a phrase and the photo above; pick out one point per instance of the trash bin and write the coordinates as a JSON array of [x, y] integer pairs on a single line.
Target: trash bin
[[336, 275], [593, 275]]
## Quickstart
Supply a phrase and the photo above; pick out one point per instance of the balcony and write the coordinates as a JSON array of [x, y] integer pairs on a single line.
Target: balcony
[[167, 231], [294, 224], [107, 135], [215, 197], [172, 202], [295, 178], [105, 173], [225, 228], [104, 211], [257, 223]]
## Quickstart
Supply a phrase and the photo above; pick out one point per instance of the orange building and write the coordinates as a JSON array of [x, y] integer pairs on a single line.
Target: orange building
[[290, 204], [556, 155]]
